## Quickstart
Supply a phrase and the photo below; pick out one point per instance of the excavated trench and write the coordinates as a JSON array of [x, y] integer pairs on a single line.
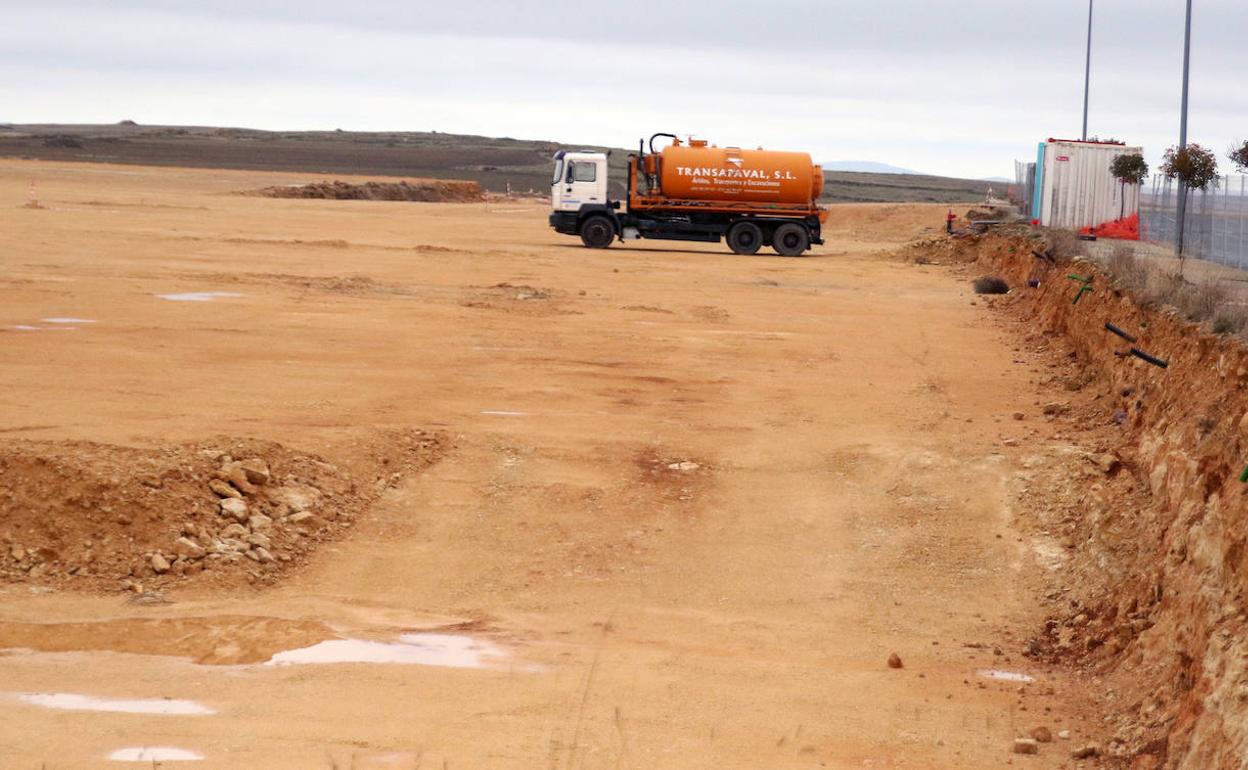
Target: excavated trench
[[1151, 603]]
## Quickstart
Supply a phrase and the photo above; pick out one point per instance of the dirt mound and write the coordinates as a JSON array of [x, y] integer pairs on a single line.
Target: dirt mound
[[98, 516], [217, 640], [1149, 525], [426, 191]]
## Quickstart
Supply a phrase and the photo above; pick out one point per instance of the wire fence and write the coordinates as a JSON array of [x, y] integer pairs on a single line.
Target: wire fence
[[1024, 187], [1217, 219]]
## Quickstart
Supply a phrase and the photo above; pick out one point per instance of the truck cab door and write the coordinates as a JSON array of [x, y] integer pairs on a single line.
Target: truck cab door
[[582, 181]]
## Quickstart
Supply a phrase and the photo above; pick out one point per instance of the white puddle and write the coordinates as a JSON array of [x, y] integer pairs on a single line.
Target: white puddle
[[1006, 676], [72, 702], [60, 320], [451, 650], [198, 296], [154, 754], [497, 413]]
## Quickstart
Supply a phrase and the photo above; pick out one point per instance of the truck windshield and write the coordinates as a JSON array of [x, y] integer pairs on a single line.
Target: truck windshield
[[558, 171]]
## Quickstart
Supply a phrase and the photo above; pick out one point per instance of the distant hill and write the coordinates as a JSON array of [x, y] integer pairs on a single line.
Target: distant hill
[[498, 164], [865, 167]]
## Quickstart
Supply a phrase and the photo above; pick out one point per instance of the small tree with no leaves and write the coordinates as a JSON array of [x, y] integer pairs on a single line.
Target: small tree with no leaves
[[1128, 170], [1239, 156], [1197, 169]]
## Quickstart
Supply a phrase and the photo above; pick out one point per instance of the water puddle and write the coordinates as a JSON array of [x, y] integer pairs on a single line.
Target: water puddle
[[449, 650], [198, 296], [60, 320], [1006, 676], [499, 413], [72, 702], [154, 754]]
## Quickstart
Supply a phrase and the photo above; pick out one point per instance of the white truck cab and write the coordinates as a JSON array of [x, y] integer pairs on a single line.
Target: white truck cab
[[580, 179]]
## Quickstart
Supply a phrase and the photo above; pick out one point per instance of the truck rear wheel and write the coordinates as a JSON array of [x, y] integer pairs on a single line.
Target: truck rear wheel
[[790, 240], [745, 238], [597, 232]]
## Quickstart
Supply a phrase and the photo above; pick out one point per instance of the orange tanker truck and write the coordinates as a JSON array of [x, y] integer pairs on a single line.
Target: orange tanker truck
[[693, 192]]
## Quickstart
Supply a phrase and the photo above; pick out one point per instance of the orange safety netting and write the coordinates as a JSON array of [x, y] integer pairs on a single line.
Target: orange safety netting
[[1125, 229]]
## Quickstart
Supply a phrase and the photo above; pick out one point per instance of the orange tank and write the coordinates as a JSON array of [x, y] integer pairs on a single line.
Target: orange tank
[[696, 171]]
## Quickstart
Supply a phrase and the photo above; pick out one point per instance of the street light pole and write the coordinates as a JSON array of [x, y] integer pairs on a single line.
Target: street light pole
[[1187, 65], [1087, 74]]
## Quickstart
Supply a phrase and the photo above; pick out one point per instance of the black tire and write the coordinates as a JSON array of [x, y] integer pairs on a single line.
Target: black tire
[[745, 238], [790, 240], [597, 232]]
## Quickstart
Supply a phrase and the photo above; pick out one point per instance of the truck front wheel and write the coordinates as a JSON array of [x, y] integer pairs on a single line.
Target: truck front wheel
[[745, 238], [790, 240], [597, 232]]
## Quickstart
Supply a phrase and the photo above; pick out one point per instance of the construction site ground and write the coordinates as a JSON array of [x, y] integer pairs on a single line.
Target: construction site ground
[[685, 505]]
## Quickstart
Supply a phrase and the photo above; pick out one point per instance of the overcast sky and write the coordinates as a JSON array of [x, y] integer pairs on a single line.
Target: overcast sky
[[960, 88]]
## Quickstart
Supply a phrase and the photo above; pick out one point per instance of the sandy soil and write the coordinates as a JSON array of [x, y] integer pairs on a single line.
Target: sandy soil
[[692, 501]]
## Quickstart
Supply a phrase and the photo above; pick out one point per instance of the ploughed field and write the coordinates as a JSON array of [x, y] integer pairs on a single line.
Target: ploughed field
[[294, 483]]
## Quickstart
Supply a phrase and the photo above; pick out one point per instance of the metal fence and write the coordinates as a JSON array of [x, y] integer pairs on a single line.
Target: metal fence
[[1025, 184], [1217, 219]]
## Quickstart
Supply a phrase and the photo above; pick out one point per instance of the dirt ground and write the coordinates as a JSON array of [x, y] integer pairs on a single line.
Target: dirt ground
[[691, 501]]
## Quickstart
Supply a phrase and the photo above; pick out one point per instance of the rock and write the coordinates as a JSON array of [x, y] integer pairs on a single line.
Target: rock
[[894, 661], [1108, 462], [1019, 416], [222, 489], [234, 473], [1056, 408], [263, 555], [259, 523], [234, 530], [1086, 752], [235, 507], [299, 518], [187, 548], [1064, 735], [1026, 746], [1042, 734], [685, 466], [17, 552], [298, 497], [1145, 762], [259, 541], [159, 564], [256, 471]]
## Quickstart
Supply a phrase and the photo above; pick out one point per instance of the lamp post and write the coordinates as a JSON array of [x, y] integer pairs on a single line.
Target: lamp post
[[1087, 74], [1187, 64]]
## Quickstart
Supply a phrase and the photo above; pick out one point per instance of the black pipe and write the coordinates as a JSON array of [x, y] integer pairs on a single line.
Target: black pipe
[[656, 136], [1151, 359], [1111, 328]]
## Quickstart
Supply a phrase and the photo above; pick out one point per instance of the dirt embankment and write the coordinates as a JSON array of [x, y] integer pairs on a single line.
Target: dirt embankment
[[1156, 566], [98, 516], [426, 191]]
